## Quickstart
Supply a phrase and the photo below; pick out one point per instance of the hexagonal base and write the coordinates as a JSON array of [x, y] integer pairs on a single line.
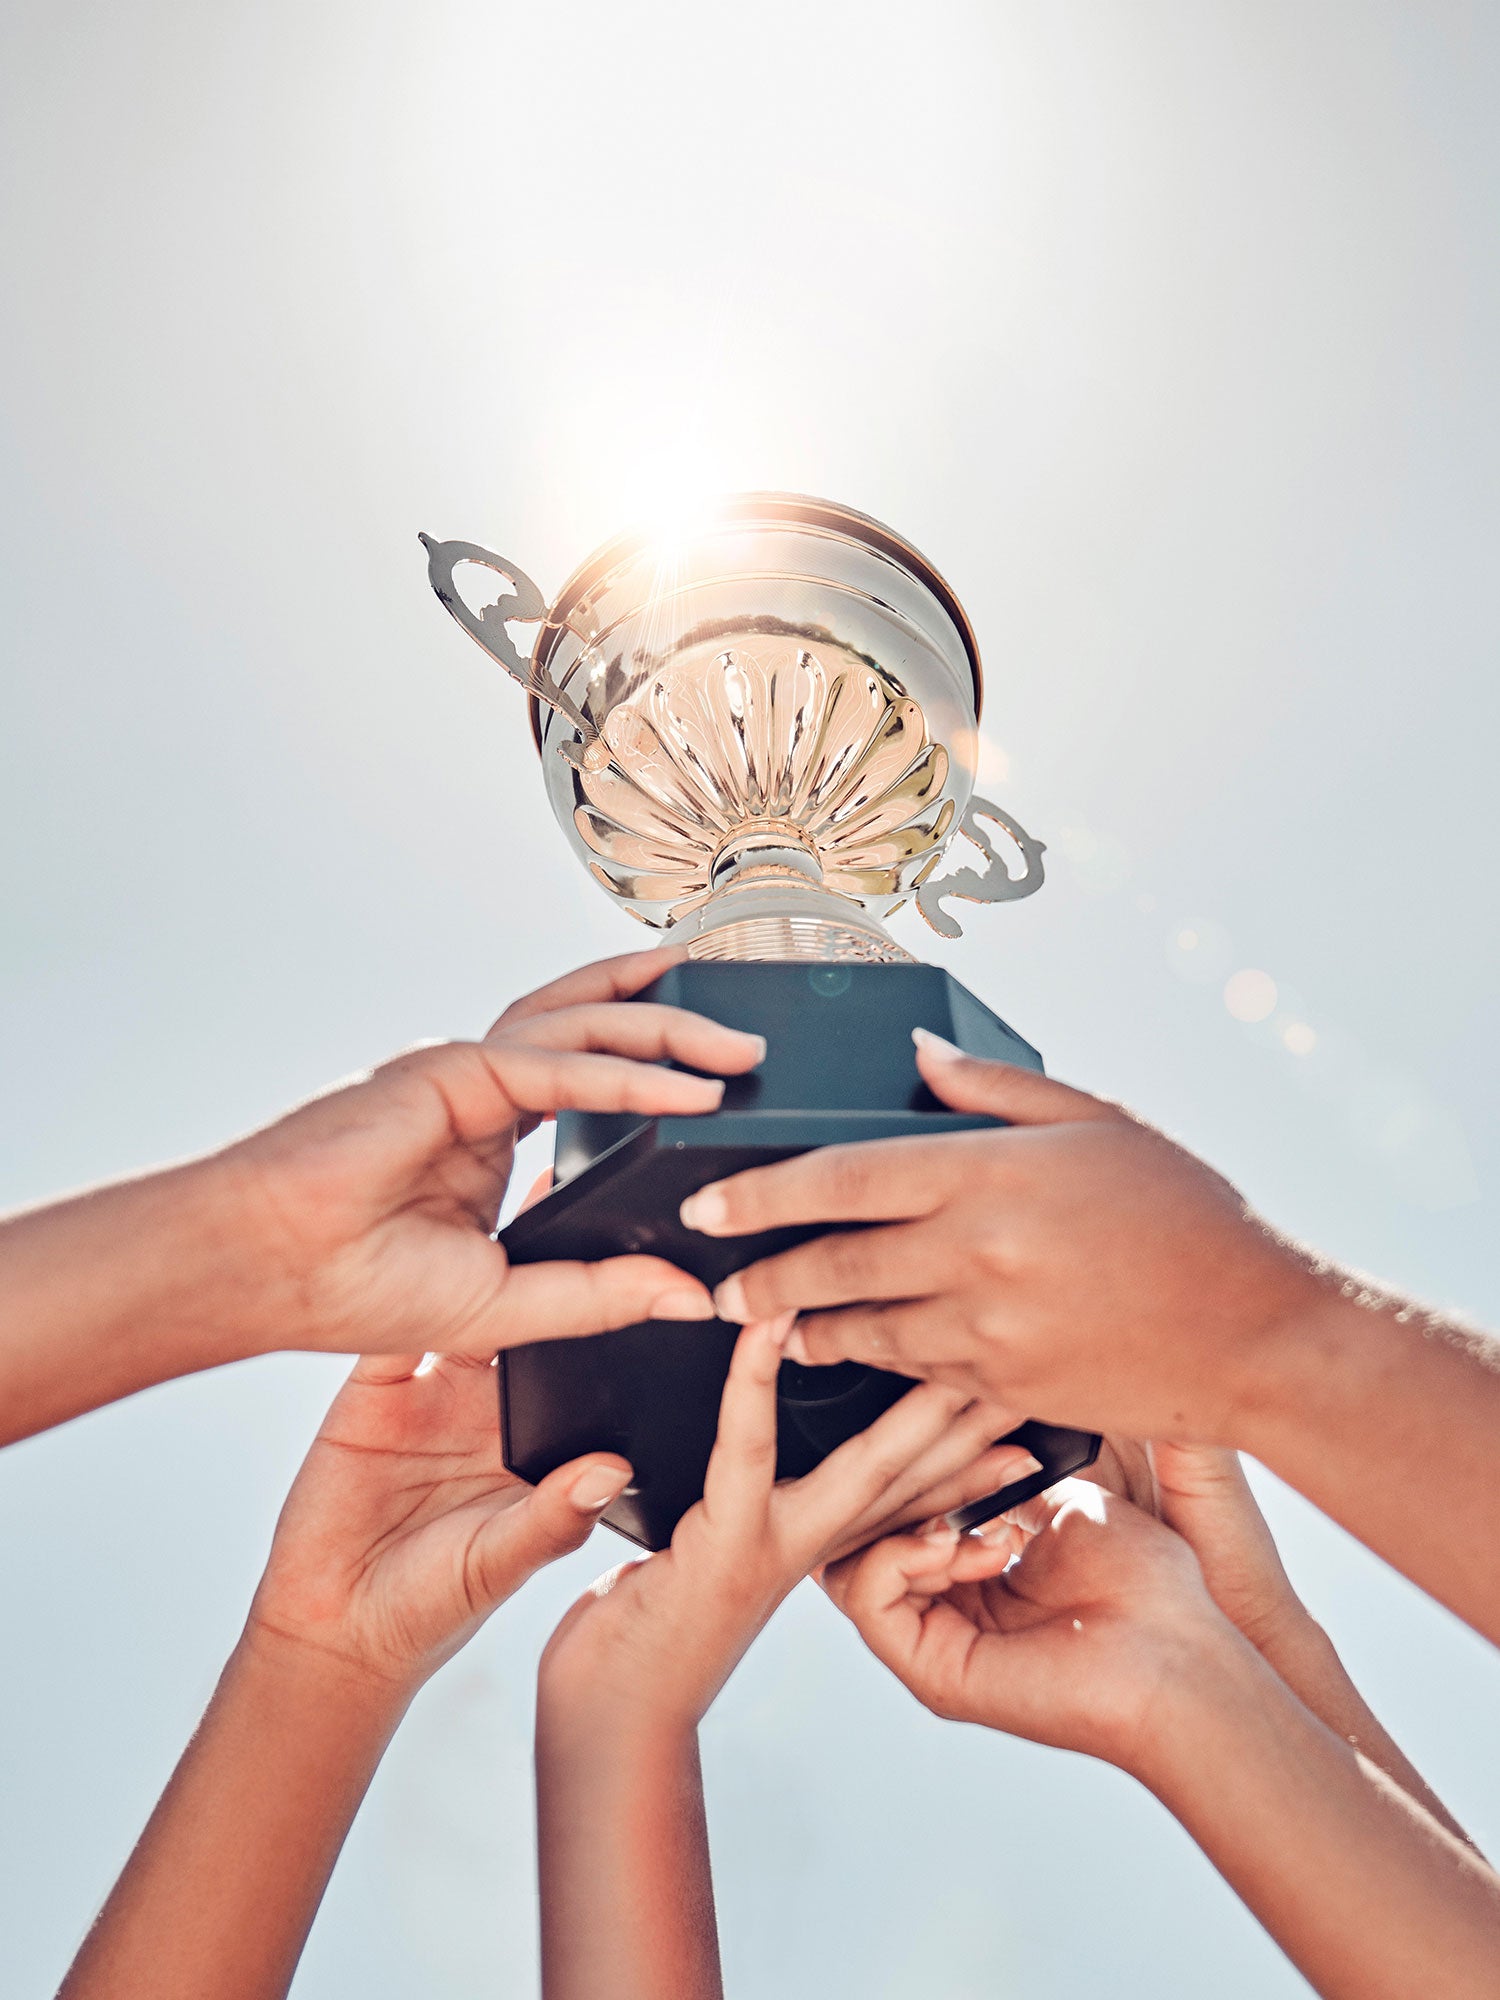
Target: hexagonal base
[[839, 1066]]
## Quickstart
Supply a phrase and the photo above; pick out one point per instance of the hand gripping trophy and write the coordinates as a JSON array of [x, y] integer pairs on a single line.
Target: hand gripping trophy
[[759, 738]]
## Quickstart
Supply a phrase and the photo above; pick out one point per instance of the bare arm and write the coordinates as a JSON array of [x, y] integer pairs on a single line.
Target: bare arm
[[224, 1883], [108, 1292], [627, 1899], [1103, 1638], [1361, 1379], [1364, 1890], [403, 1531], [1204, 1495], [361, 1222], [627, 1893]]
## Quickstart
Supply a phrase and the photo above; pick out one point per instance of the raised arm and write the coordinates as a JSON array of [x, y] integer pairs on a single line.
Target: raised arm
[[1083, 1268], [361, 1222], [400, 1536], [627, 1900], [1103, 1638], [1204, 1495]]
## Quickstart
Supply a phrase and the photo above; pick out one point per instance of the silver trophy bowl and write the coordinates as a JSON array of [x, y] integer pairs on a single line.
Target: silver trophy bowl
[[759, 737]]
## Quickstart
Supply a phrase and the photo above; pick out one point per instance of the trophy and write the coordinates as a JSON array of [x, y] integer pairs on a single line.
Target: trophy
[[760, 738]]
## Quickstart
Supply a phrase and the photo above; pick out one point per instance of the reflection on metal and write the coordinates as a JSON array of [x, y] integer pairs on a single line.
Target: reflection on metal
[[767, 762], [993, 883], [488, 628]]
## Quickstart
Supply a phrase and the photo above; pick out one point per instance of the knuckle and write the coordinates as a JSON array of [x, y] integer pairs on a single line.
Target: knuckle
[[848, 1171], [753, 1201], [845, 1257], [758, 1288], [990, 1253]]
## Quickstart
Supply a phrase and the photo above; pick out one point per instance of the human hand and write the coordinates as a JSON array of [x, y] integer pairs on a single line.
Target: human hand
[[1201, 1491], [362, 1221], [1080, 1642], [662, 1635], [1076, 1265], [403, 1530]]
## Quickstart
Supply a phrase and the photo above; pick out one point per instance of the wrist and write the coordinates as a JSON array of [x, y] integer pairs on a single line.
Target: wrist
[[585, 1704], [608, 1743], [1295, 1366], [1207, 1691], [1343, 1346], [306, 1672]]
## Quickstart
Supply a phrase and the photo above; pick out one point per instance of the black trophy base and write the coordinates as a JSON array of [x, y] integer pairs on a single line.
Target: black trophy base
[[839, 1066]]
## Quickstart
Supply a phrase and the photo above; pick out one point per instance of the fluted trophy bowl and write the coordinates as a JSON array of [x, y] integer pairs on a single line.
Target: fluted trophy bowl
[[761, 735]]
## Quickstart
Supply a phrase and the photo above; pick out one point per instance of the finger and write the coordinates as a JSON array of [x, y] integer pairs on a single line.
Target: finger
[[901, 1598], [1204, 1495], [618, 978], [1001, 1090], [1036, 1515], [566, 1300], [1002, 1465], [1123, 1465], [965, 1464], [548, 1080], [845, 1268], [886, 1579], [742, 1468], [872, 1180], [552, 1520], [384, 1371], [976, 1435], [1188, 1476], [987, 1552], [474, 1094], [646, 1032], [859, 1475], [908, 1337]]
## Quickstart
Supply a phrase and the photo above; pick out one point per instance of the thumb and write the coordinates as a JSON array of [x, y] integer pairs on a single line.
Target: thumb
[[1204, 1494], [1206, 1498], [552, 1520], [1019, 1096]]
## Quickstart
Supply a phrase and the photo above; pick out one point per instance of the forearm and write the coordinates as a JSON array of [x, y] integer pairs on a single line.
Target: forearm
[[1362, 1384], [223, 1885], [1306, 1659], [104, 1294], [626, 1890], [1367, 1894]]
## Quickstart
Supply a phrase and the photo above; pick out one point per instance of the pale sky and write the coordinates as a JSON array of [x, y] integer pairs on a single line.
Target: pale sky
[[1168, 332]]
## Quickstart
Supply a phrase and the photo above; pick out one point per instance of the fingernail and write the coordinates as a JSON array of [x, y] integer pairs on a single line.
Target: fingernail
[[778, 1328], [934, 1045], [994, 1532], [594, 1489], [1017, 1464], [682, 1305], [729, 1301], [794, 1347], [705, 1211], [759, 1042], [940, 1535]]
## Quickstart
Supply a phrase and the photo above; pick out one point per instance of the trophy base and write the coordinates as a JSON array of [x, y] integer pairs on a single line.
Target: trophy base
[[839, 1066]]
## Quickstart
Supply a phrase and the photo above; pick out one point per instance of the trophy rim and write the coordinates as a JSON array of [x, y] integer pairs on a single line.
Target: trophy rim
[[806, 508]]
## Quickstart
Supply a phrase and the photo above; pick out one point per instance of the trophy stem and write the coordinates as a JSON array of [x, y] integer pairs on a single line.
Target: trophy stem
[[770, 904]]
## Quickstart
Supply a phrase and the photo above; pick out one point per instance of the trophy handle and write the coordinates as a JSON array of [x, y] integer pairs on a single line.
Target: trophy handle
[[525, 605], [993, 883]]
